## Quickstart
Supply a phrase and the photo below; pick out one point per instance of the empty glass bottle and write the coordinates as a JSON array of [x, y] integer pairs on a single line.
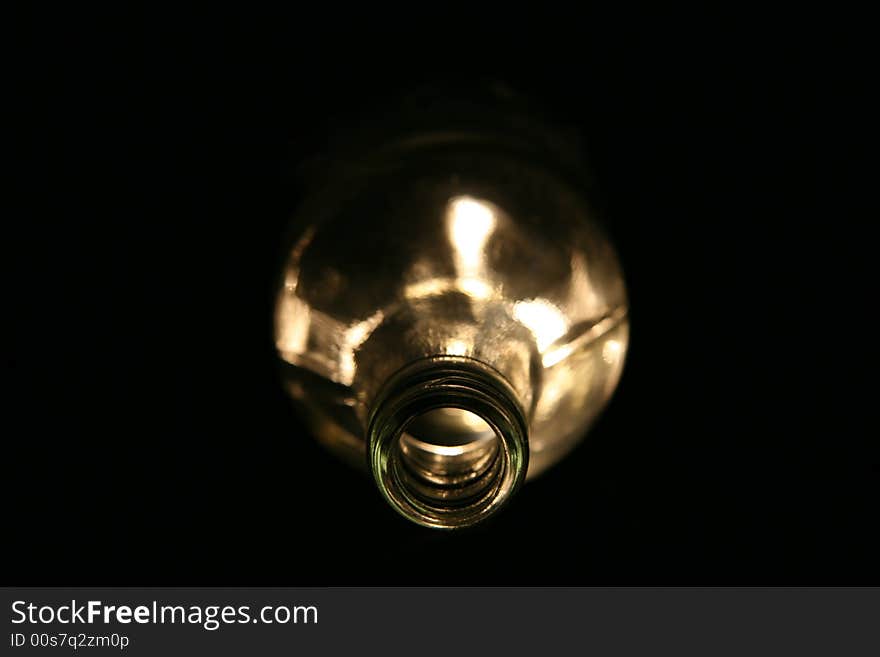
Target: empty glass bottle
[[450, 315]]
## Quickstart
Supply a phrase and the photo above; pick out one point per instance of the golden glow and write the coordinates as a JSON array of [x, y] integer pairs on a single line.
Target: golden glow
[[292, 321], [429, 288], [559, 386], [444, 432], [471, 420], [457, 348], [543, 319], [469, 223], [292, 314], [299, 328], [472, 287], [582, 297], [611, 351], [354, 336], [431, 449], [558, 354], [291, 276]]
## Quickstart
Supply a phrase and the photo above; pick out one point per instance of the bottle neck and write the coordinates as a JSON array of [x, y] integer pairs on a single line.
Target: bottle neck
[[447, 441]]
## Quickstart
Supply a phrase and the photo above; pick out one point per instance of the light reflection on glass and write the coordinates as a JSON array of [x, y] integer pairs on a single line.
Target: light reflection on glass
[[558, 354], [543, 319], [470, 222], [611, 351], [582, 297], [292, 321], [457, 348], [475, 288], [472, 287], [354, 337]]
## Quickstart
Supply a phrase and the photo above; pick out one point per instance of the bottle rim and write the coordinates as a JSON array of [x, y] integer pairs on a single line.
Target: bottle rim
[[447, 382]]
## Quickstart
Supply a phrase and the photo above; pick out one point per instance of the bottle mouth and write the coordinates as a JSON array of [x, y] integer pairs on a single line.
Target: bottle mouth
[[447, 442]]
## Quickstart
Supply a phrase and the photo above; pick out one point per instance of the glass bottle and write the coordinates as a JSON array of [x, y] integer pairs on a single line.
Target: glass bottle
[[450, 315]]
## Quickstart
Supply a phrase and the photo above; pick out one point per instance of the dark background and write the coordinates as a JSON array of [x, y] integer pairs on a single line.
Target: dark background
[[148, 440]]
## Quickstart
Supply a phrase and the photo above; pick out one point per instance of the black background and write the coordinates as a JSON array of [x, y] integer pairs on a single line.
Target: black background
[[148, 440]]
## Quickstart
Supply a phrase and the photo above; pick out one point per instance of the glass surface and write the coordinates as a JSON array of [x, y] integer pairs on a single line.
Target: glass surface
[[459, 251]]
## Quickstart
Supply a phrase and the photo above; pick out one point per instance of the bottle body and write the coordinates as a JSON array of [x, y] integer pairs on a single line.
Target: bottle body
[[462, 254]]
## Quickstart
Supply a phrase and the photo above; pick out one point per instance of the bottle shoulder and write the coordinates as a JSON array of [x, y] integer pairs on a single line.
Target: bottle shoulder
[[420, 221], [473, 255]]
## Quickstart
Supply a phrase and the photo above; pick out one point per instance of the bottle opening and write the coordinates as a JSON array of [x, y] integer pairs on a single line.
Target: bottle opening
[[448, 454], [447, 442]]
